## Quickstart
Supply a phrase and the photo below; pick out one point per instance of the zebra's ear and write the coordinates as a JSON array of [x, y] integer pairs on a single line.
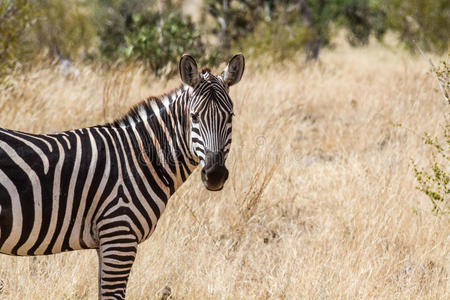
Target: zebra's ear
[[188, 70], [234, 70]]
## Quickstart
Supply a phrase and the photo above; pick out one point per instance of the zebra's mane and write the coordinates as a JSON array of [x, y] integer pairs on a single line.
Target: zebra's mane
[[133, 112]]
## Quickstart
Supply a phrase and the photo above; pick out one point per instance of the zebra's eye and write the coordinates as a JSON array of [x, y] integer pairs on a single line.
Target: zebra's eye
[[194, 117], [230, 118]]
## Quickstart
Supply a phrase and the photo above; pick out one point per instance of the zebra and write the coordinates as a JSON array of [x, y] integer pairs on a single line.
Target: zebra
[[105, 187]]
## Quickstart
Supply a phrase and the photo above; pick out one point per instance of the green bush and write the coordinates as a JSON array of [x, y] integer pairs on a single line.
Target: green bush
[[113, 19], [421, 22], [160, 41], [65, 26], [443, 76], [362, 18], [235, 19], [139, 32], [15, 18], [157, 33], [279, 41], [281, 28], [434, 181], [29, 28]]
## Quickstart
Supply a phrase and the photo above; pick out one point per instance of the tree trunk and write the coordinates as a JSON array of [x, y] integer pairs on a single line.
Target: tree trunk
[[313, 48], [314, 44], [224, 37]]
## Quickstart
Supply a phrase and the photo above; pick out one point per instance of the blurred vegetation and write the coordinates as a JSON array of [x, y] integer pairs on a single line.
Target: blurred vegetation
[[434, 180], [277, 40], [421, 22], [15, 19], [157, 32], [141, 31], [281, 28], [363, 18], [64, 27]]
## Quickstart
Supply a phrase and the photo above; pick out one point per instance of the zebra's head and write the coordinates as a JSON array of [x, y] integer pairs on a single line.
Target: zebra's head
[[210, 112]]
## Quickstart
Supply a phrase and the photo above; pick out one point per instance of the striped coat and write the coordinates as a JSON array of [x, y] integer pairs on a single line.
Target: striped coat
[[106, 186]]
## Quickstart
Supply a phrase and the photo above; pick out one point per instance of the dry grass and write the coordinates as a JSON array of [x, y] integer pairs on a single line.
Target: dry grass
[[321, 200]]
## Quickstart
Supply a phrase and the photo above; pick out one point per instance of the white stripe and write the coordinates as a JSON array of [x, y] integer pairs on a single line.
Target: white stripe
[[123, 218], [141, 197], [70, 194], [159, 203], [67, 141], [55, 200], [16, 228], [88, 222], [162, 124], [34, 136], [74, 240], [152, 170], [37, 197], [35, 148], [143, 115]]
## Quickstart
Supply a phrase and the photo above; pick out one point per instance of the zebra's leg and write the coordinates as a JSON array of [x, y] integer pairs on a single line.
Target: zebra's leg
[[116, 257]]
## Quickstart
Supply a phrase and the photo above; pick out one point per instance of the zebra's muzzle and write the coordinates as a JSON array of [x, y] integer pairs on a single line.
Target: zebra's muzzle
[[214, 173]]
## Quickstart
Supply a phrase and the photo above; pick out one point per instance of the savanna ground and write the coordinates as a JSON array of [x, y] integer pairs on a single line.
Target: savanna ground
[[321, 199]]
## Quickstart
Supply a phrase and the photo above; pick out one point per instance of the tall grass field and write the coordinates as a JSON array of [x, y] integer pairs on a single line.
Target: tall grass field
[[321, 202]]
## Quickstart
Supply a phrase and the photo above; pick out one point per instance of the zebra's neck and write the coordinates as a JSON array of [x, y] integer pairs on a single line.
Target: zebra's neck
[[160, 129]]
